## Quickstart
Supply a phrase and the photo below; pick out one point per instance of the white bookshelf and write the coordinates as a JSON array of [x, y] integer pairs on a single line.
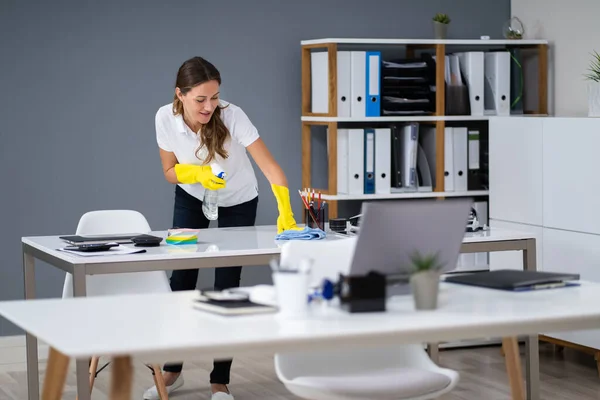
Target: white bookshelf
[[447, 42], [416, 118], [330, 119], [405, 195]]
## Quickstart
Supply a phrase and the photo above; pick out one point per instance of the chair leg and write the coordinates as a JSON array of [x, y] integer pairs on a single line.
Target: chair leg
[[159, 382], [93, 369], [56, 375], [513, 367]]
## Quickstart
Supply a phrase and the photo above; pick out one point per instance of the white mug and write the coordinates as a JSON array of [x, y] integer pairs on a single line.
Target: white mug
[[291, 287]]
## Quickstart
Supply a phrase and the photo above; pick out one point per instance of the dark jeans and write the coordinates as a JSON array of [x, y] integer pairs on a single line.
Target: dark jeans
[[188, 213]]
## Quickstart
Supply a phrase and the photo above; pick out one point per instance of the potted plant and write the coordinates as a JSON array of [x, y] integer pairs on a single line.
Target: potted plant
[[440, 25], [593, 76], [513, 29], [425, 280]]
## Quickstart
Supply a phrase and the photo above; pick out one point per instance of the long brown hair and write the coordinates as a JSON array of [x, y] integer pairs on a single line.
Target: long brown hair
[[193, 72]]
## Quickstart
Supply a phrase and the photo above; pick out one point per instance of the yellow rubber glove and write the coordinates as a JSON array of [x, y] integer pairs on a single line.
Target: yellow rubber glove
[[202, 174], [285, 221]]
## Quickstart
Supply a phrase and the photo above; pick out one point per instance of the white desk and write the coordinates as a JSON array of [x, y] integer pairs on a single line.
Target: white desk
[[145, 328], [219, 247]]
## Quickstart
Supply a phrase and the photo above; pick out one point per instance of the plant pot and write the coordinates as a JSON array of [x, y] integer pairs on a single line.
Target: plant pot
[[594, 99], [425, 287], [440, 30]]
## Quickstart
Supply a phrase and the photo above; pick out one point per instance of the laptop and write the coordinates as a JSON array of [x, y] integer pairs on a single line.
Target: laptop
[[515, 280], [98, 239], [392, 230]]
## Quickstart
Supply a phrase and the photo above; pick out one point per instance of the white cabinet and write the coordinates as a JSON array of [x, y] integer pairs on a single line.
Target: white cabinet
[[576, 252], [515, 159], [571, 164], [543, 179]]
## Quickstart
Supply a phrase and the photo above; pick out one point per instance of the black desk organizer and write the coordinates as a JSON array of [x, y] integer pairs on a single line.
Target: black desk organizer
[[365, 293], [407, 88]]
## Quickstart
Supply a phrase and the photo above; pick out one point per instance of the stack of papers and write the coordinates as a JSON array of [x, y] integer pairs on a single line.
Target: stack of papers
[[113, 251]]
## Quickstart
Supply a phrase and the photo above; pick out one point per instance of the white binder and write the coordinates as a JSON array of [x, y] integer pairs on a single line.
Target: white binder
[[356, 163], [343, 83], [448, 160], [472, 68], [383, 160], [358, 85], [342, 161], [460, 158], [497, 83], [319, 82]]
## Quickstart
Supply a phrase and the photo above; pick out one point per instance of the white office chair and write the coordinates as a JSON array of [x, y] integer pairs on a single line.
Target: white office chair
[[378, 372], [118, 222]]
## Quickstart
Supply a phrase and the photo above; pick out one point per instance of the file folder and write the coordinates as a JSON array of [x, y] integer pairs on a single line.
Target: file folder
[[343, 83], [383, 160], [448, 159], [472, 67], [358, 86], [481, 209], [474, 149], [455, 75], [369, 174], [372, 78], [428, 139], [319, 81], [396, 179], [497, 83], [410, 148], [424, 180], [342, 161], [460, 158], [356, 146]]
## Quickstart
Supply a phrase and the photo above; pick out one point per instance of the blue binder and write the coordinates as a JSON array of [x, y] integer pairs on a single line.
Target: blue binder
[[373, 82], [369, 163]]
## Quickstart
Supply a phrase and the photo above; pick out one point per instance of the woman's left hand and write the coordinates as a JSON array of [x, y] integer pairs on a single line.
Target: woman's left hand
[[286, 220]]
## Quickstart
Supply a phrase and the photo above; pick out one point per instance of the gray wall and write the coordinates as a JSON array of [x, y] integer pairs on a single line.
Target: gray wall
[[80, 84]]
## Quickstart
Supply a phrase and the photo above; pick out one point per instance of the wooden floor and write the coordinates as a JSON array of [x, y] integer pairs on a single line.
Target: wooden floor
[[568, 375]]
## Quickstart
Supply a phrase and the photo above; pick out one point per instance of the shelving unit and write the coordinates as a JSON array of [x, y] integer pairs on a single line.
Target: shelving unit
[[331, 119]]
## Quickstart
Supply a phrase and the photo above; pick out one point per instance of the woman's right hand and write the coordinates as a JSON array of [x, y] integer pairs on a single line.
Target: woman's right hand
[[202, 174]]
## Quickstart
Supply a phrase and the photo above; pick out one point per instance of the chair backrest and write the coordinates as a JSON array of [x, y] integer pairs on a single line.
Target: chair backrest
[[112, 221], [103, 222], [330, 257]]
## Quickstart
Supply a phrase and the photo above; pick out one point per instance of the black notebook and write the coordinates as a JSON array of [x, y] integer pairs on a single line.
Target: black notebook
[[91, 239], [515, 280], [229, 307]]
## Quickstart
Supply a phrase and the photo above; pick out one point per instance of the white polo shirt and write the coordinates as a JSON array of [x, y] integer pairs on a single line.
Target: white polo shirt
[[173, 135]]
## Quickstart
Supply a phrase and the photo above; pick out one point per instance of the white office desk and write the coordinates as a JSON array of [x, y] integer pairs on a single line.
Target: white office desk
[[217, 247], [146, 328]]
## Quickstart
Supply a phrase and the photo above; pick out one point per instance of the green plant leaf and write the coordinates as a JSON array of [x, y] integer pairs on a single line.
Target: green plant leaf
[[594, 68], [441, 18], [427, 262]]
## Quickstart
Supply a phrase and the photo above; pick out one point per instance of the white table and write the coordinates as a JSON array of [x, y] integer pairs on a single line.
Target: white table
[[221, 247], [145, 328]]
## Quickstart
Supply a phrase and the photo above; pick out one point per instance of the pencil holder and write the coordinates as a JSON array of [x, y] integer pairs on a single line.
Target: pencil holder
[[315, 218]]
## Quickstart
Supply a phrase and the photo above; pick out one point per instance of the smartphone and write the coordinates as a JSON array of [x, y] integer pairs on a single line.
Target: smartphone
[[92, 247]]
